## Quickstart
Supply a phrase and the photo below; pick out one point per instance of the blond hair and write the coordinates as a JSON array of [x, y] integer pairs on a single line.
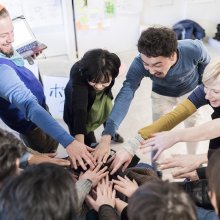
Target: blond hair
[[212, 71]]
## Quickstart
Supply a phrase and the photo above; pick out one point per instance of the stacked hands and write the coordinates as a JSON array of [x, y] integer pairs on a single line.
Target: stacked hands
[[103, 190], [185, 165], [105, 193]]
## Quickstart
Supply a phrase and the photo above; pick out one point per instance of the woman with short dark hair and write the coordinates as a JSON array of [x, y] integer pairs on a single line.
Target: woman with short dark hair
[[88, 96]]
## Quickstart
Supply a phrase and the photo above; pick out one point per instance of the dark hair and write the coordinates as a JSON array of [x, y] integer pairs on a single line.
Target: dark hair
[[99, 65], [11, 149], [213, 175], [158, 200], [3, 12], [43, 191], [155, 42]]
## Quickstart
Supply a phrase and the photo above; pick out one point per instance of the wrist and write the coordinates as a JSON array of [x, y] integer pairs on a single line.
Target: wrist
[[106, 139], [133, 144], [177, 136]]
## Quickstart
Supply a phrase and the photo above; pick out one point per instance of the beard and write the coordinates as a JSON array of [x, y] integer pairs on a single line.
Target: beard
[[9, 53]]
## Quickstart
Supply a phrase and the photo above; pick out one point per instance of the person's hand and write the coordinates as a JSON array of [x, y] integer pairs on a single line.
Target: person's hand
[[158, 143], [121, 157], [189, 175], [35, 55], [47, 157], [125, 185], [80, 153], [184, 164], [102, 150], [95, 175], [101, 153], [105, 195]]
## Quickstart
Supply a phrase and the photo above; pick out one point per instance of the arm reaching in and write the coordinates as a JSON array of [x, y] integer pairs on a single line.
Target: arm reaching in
[[15, 91], [166, 122], [49, 157], [102, 150], [124, 156], [169, 120], [184, 164], [159, 142], [164, 140]]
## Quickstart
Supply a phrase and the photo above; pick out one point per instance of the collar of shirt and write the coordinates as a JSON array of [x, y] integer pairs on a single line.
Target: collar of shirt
[[17, 59]]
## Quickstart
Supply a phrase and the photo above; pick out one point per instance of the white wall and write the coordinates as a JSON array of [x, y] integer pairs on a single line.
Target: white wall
[[205, 12]]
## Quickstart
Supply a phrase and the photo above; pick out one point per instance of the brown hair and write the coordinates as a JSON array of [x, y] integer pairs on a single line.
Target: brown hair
[[212, 172], [160, 200], [157, 41], [3, 12]]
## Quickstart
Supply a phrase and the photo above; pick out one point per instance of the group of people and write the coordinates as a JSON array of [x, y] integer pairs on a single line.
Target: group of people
[[182, 76]]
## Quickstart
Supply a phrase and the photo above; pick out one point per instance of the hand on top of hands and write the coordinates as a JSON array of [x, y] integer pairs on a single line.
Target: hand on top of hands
[[158, 142], [105, 195], [125, 185], [95, 175], [81, 154], [121, 158]]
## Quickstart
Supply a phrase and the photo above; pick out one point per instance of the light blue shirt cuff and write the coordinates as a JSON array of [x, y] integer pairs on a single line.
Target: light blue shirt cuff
[[24, 160]]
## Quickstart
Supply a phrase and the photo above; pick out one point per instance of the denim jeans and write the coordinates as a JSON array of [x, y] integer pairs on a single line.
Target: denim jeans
[[205, 214]]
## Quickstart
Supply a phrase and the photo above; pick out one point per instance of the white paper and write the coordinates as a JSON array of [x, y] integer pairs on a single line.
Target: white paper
[[54, 92]]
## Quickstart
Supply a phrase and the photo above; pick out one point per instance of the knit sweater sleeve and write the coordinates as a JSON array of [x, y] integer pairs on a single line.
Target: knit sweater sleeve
[[107, 212], [83, 187], [168, 121]]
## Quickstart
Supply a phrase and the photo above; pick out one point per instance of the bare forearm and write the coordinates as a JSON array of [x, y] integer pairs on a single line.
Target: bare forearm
[[201, 159], [206, 131]]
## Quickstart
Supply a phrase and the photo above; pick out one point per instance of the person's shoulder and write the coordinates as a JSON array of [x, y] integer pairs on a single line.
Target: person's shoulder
[[137, 62], [138, 59], [4, 68], [74, 68], [190, 44], [190, 48], [76, 72]]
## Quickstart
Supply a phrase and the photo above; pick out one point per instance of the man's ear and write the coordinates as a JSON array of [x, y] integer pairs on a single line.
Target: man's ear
[[173, 56]]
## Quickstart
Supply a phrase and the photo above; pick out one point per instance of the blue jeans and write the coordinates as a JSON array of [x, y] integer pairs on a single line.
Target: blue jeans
[[205, 214]]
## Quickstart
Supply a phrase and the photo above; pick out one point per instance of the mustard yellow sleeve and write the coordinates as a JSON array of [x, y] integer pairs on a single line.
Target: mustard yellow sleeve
[[169, 120]]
